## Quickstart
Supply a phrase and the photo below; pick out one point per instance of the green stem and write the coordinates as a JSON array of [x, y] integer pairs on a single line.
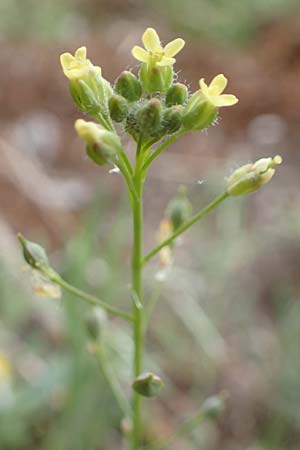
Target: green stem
[[137, 208], [186, 226], [161, 148], [90, 298]]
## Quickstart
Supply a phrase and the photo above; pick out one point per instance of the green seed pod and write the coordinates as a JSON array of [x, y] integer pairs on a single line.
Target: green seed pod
[[199, 114], [172, 119], [177, 94], [33, 253], [118, 108], [179, 209], [156, 78], [149, 117], [148, 384], [129, 86]]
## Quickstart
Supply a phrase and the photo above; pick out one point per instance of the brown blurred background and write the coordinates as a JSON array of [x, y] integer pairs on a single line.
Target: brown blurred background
[[229, 313]]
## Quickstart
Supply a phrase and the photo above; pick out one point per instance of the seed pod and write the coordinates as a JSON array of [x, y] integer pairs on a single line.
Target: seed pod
[[94, 321], [179, 209], [156, 78], [177, 94], [118, 108], [148, 384], [33, 253], [129, 86], [172, 119], [149, 117]]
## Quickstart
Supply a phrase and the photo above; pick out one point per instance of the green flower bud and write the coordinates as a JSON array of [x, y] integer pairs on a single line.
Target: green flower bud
[[177, 94], [172, 119], [149, 117], [148, 384], [118, 108], [156, 78], [199, 113], [102, 145], [94, 322], [250, 177], [179, 209], [129, 86], [214, 406], [33, 253]]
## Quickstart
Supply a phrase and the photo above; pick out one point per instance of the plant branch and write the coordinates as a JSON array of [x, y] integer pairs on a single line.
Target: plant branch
[[90, 298], [186, 226]]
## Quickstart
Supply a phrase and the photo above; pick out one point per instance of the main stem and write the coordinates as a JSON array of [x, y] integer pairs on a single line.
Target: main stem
[[137, 286]]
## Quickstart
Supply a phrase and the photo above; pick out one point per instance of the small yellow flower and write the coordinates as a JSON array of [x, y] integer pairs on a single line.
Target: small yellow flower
[[5, 368], [213, 92], [155, 54], [77, 66], [89, 131]]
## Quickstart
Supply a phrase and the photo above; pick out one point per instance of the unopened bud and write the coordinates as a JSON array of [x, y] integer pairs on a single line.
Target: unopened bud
[[214, 406], [148, 384], [129, 86], [177, 94], [172, 119], [179, 209], [118, 108], [149, 117], [33, 253], [94, 322], [250, 177], [102, 145], [156, 78], [199, 113]]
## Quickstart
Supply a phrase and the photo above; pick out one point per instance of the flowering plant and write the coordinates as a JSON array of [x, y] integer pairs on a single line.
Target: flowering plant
[[155, 111]]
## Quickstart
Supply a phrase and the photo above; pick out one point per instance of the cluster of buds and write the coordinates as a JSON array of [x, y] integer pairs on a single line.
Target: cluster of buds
[[149, 105]]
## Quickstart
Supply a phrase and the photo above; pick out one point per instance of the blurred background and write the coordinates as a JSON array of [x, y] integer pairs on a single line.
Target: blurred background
[[229, 312]]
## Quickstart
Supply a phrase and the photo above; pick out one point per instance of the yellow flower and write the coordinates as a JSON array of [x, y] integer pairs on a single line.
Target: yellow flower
[[5, 368], [155, 54], [213, 92], [77, 66]]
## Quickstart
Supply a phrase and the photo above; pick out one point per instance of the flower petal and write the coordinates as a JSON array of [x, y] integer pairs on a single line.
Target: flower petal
[[204, 88], [140, 54], [224, 100], [166, 62], [218, 84], [66, 60], [151, 40], [174, 47], [80, 53]]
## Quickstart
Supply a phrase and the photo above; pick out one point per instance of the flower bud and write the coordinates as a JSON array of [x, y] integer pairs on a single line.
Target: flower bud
[[179, 209], [129, 86], [199, 113], [118, 108], [156, 78], [33, 253], [172, 119], [148, 384], [149, 117], [177, 94], [94, 322], [214, 406], [102, 145], [250, 177]]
